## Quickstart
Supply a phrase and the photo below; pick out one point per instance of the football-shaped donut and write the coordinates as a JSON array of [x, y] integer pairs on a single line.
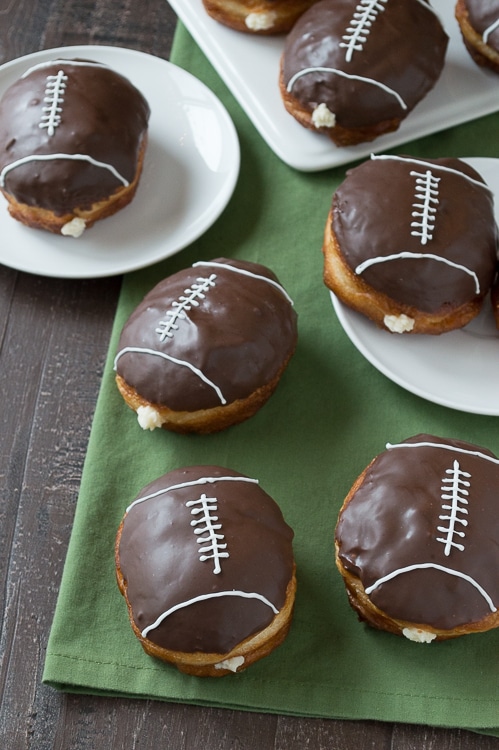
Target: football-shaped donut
[[206, 347], [412, 243], [73, 135], [205, 562], [354, 70], [417, 539]]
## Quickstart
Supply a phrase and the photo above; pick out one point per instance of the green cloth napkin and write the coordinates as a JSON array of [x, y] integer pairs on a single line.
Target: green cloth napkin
[[331, 413]]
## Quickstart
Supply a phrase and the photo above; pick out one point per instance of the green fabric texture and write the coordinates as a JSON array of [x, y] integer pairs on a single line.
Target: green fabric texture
[[331, 414]]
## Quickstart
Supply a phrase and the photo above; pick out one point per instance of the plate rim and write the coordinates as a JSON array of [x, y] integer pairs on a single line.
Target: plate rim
[[218, 203]]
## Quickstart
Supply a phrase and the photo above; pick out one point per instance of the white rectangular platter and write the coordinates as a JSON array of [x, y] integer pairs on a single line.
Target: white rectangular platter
[[249, 65]]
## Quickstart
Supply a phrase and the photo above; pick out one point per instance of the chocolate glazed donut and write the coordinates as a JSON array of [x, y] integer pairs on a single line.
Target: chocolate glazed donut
[[354, 70], [411, 243], [206, 347], [72, 139], [417, 539], [204, 559]]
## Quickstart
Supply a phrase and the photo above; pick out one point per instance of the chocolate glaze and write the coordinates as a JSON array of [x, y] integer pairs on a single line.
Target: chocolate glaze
[[404, 49], [372, 215], [238, 335], [103, 115], [482, 14], [160, 561], [392, 521]]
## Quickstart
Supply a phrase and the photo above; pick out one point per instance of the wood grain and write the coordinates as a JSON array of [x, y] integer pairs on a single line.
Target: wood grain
[[53, 342]]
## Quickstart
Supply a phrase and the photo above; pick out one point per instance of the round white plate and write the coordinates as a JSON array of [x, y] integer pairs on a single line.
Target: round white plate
[[190, 172], [458, 369]]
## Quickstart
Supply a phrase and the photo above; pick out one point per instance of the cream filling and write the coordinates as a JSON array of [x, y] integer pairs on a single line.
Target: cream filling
[[399, 323], [148, 418], [260, 21], [418, 636], [74, 228], [322, 117], [232, 664]]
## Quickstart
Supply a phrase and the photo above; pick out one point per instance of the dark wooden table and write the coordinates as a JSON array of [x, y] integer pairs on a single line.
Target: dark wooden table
[[53, 341]]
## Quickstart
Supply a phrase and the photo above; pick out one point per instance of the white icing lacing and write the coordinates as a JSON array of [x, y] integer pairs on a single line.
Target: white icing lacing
[[405, 255], [192, 483], [48, 157], [341, 73], [425, 210], [204, 597], [54, 97], [442, 568], [205, 507], [196, 291], [357, 32], [244, 272], [488, 31], [181, 362], [455, 490]]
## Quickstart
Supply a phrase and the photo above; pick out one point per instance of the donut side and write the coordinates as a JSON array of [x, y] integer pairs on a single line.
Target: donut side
[[341, 136], [262, 17], [385, 312], [79, 218], [200, 421], [482, 53], [246, 653]]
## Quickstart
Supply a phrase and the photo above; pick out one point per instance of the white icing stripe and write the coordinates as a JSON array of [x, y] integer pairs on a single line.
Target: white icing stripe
[[50, 63], [488, 31], [423, 256], [243, 272], [390, 446], [306, 71], [434, 166], [451, 572], [49, 157], [203, 597], [193, 483], [181, 362]]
